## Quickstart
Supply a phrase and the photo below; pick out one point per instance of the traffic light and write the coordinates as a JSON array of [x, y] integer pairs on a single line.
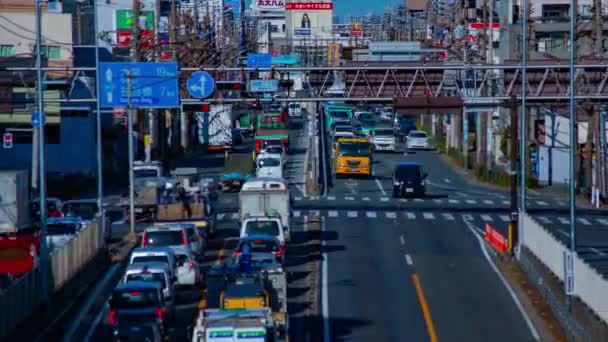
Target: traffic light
[[196, 107], [287, 83]]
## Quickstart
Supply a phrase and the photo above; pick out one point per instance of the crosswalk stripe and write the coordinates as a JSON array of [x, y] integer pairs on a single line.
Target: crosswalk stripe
[[297, 213], [584, 221], [488, 202], [428, 216], [315, 213], [506, 202], [403, 200], [448, 216], [543, 203], [410, 216], [365, 198], [603, 222], [544, 219], [352, 214], [487, 218], [505, 218], [437, 200], [297, 198], [370, 214], [220, 216], [470, 201], [563, 220], [391, 215], [331, 198], [453, 201], [332, 213], [467, 217], [235, 216], [384, 199], [349, 198], [562, 203]]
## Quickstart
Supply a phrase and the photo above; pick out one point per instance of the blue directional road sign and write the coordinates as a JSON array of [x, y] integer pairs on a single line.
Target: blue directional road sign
[[37, 119], [259, 60], [200, 84], [153, 84], [263, 86]]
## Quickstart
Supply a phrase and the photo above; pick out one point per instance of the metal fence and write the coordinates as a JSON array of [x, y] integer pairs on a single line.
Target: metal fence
[[20, 300]]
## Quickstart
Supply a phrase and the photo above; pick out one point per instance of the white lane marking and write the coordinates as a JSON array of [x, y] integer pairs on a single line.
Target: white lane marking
[[584, 221], [352, 214], [235, 216], [297, 198], [603, 222], [324, 288], [331, 198], [596, 251], [486, 218], [562, 203], [411, 216], [488, 202], [564, 233], [365, 198], [447, 180], [418, 200], [505, 218], [437, 200], [220, 216], [332, 213], [315, 213], [299, 187], [428, 216], [380, 187], [370, 214], [467, 217], [296, 213], [470, 201], [544, 219], [506, 202], [409, 260], [448, 216], [543, 203], [476, 232], [349, 198], [403, 200], [391, 215], [563, 220], [402, 240], [384, 199], [119, 222], [453, 201]]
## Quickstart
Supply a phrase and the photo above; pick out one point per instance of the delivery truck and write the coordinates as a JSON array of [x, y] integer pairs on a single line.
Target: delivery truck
[[260, 196]]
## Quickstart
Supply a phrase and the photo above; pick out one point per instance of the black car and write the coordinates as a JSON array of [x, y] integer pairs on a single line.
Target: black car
[[409, 180]]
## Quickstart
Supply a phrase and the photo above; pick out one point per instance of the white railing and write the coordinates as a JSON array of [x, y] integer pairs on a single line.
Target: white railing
[[590, 286]]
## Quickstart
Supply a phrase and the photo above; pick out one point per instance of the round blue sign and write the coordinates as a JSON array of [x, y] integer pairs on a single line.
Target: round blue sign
[[200, 84]]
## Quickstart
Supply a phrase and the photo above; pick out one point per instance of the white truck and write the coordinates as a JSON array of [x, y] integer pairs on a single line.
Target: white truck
[[215, 131], [14, 201], [261, 195], [213, 325], [149, 182]]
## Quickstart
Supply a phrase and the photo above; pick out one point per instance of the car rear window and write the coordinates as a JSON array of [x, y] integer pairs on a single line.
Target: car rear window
[[150, 258], [164, 238], [407, 172], [384, 132], [86, 211], [260, 246], [61, 229], [148, 276], [134, 299], [262, 227], [269, 162], [417, 134]]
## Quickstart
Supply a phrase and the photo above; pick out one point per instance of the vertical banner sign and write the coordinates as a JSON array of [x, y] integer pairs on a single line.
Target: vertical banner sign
[[569, 272], [333, 54]]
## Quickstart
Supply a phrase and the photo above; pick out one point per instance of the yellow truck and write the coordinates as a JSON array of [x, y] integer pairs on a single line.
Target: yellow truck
[[353, 156]]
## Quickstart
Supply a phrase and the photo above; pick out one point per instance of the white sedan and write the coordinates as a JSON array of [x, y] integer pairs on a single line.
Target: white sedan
[[417, 140]]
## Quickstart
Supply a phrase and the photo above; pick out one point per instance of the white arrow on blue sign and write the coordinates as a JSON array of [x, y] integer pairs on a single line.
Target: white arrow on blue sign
[[36, 118], [200, 84]]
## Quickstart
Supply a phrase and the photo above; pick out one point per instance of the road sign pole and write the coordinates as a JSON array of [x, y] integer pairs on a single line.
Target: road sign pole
[[573, 140], [130, 144], [102, 218]]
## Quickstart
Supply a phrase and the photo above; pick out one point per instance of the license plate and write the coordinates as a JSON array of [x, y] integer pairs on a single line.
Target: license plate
[[409, 190], [236, 182]]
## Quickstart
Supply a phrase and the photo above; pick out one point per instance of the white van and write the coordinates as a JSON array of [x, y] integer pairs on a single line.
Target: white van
[[152, 271], [262, 195], [268, 165]]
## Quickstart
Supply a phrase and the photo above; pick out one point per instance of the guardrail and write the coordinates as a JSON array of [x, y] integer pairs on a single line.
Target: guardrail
[[22, 298], [590, 286]]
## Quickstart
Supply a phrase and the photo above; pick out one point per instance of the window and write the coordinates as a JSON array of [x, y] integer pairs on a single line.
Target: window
[[274, 28], [51, 51], [164, 238], [7, 50], [262, 227]]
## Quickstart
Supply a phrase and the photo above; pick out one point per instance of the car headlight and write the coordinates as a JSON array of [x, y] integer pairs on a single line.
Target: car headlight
[[395, 183], [423, 182]]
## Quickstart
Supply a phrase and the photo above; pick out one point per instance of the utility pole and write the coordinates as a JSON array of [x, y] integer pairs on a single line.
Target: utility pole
[[79, 22], [513, 172], [483, 116], [98, 123], [131, 156]]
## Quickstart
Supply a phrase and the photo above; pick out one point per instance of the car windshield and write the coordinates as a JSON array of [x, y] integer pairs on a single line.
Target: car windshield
[[86, 211], [262, 227], [384, 132], [145, 173], [353, 149], [259, 246], [163, 238], [274, 149], [417, 134], [339, 115], [61, 228], [150, 258], [148, 276], [268, 162], [136, 299], [181, 259], [407, 172]]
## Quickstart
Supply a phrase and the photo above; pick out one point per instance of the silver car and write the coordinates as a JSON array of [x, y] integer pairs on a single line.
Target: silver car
[[187, 268], [417, 140]]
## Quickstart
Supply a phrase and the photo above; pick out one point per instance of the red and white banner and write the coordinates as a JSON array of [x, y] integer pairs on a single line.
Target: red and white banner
[[496, 239], [309, 6], [123, 38], [478, 26]]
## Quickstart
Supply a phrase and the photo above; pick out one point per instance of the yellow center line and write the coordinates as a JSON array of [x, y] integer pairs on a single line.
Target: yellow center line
[[430, 327]]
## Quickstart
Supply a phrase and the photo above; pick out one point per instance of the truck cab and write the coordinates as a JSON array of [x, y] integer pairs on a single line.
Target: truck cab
[[152, 169], [353, 156], [261, 196], [271, 126]]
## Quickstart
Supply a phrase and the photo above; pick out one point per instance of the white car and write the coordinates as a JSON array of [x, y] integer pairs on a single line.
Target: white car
[[276, 150], [265, 225], [268, 165], [384, 139], [152, 271], [295, 110], [187, 268], [60, 230], [417, 140]]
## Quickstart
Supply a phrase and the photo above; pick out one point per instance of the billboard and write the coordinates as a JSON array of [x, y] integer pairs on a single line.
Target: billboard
[[267, 5], [309, 18], [333, 54]]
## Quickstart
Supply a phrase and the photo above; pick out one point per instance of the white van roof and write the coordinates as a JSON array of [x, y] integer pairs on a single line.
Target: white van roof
[[264, 183]]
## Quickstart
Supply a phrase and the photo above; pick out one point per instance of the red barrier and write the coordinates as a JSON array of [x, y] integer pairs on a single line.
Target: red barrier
[[496, 239]]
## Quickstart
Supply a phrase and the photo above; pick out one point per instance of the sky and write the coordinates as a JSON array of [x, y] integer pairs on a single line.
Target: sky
[[342, 8]]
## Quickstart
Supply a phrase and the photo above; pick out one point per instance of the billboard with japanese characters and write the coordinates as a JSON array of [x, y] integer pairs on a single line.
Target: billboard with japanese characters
[[309, 18], [268, 5]]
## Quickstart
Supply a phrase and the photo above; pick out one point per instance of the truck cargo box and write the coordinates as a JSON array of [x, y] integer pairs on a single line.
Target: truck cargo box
[[14, 201]]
